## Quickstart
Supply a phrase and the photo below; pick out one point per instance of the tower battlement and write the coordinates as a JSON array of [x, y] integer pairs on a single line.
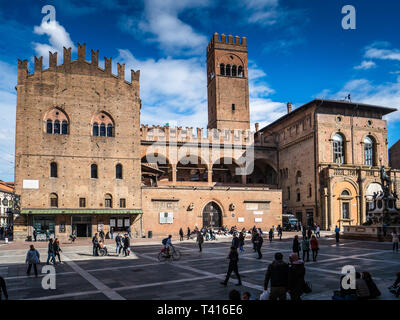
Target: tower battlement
[[68, 65], [227, 42]]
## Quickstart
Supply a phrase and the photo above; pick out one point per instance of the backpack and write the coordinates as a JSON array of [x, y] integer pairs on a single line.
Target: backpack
[[164, 241]]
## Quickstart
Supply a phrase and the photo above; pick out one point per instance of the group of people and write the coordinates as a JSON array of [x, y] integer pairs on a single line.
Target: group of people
[[305, 246], [5, 232], [122, 243]]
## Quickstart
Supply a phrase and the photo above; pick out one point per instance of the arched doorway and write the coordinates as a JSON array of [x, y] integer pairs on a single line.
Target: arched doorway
[[212, 215]]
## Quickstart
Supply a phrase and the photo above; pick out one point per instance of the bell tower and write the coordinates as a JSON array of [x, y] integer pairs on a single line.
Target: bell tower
[[227, 83]]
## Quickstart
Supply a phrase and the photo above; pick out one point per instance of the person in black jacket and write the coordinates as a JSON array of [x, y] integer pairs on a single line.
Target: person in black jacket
[[259, 242], [296, 245], [180, 234], [200, 240], [296, 280], [278, 274], [373, 289], [188, 233], [95, 242], [127, 244], [235, 241], [233, 266], [3, 288]]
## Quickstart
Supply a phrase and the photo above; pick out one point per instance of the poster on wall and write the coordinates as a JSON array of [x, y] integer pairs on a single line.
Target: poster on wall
[[100, 227], [120, 223], [112, 222], [127, 222], [62, 227]]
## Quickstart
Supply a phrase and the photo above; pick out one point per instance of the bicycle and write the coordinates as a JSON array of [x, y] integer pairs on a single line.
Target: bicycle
[[174, 254]]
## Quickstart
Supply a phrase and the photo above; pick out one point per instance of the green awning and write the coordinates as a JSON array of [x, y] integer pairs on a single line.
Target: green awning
[[81, 211]]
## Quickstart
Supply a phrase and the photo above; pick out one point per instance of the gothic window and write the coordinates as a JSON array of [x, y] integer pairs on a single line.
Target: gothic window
[[53, 170], [95, 129], [368, 151], [228, 70], [222, 69], [109, 130], [56, 127], [298, 177], [298, 195], [64, 127], [54, 200], [108, 201], [234, 71], [93, 171], [118, 171], [338, 149], [240, 71], [49, 126], [102, 130]]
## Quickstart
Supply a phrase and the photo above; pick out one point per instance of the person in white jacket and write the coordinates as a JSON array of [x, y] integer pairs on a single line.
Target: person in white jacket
[[32, 258]]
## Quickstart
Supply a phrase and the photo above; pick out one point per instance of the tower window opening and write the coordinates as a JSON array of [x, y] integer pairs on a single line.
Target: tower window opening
[[222, 69], [228, 70], [234, 71], [233, 107]]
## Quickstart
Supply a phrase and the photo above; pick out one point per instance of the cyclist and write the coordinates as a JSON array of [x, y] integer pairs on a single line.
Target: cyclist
[[167, 243]]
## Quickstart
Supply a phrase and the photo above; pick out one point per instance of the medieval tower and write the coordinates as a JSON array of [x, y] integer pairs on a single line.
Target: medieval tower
[[227, 83]]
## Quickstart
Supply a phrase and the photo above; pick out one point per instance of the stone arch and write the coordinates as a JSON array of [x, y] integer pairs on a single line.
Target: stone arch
[[263, 172], [346, 208], [206, 214], [192, 168], [56, 115], [224, 170]]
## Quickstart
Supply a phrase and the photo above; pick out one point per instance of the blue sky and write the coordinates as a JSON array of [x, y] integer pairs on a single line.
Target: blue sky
[[297, 51]]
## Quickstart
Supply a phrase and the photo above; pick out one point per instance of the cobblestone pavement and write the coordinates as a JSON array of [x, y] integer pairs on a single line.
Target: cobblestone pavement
[[195, 276]]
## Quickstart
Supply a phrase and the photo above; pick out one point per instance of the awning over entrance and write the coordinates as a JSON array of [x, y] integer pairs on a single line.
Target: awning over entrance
[[81, 211]]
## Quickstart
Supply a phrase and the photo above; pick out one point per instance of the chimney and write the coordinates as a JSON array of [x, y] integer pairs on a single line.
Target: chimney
[[289, 107], [257, 126]]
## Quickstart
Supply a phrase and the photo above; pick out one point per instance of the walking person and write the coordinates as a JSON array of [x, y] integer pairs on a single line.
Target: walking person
[[102, 236], [318, 231], [271, 234], [188, 233], [200, 240], [296, 280], [180, 234], [309, 233], [337, 233], [34, 234], [121, 244], [259, 242], [305, 246], [57, 249], [296, 245], [395, 241], [127, 244], [278, 275], [32, 259], [233, 266], [314, 247], [253, 239], [3, 289], [47, 235], [50, 252], [280, 231], [241, 241], [95, 243], [112, 233], [117, 243]]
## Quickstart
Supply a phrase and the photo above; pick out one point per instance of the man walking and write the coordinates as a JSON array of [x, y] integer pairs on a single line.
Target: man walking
[[127, 244], [32, 258], [271, 234], [318, 231], [34, 234], [278, 274], [50, 252], [259, 242], [117, 243], [95, 242], [337, 231], [180, 234], [233, 266], [235, 241], [200, 240], [305, 246], [188, 233], [280, 231]]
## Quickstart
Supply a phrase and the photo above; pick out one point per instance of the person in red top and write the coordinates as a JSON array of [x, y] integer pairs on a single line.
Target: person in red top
[[314, 247]]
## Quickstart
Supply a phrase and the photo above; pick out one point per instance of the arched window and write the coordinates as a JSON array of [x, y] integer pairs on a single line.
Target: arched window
[[368, 151], [53, 170], [234, 71], [49, 126], [53, 200], [108, 201], [118, 171], [109, 130], [345, 193], [240, 71], [338, 150], [102, 130], [228, 70], [95, 129], [298, 177], [56, 127], [222, 69], [64, 127], [93, 171]]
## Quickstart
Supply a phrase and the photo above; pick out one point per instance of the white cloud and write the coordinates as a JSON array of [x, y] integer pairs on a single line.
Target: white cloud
[[161, 19], [58, 38], [365, 91], [383, 54], [263, 12], [365, 65]]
